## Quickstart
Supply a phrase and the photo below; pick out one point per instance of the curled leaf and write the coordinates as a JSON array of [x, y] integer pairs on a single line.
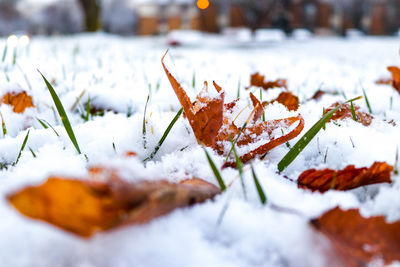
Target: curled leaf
[[287, 99], [258, 80], [346, 179], [345, 112], [19, 101], [213, 124], [395, 77], [86, 206], [360, 240]]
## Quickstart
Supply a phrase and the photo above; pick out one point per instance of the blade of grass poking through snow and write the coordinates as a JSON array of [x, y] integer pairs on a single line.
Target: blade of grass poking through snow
[[240, 132], [366, 101], [4, 52], [15, 56], [144, 122], [87, 110], [3, 125], [215, 170], [194, 80], [23, 146], [308, 136], [259, 188], [353, 112], [43, 123], [63, 115], [33, 153], [239, 167], [164, 136]]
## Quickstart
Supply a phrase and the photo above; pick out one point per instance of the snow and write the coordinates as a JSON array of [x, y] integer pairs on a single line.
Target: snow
[[118, 73]]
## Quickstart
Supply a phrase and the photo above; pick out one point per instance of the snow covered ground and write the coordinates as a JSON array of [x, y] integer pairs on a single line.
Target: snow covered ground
[[118, 73]]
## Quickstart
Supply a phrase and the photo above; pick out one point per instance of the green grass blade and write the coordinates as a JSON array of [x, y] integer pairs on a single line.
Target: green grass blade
[[87, 110], [239, 167], [15, 56], [353, 112], [194, 80], [236, 139], [216, 172], [63, 115], [144, 123], [260, 190], [164, 136], [23, 146], [367, 101], [3, 125], [4, 53], [308, 136], [43, 123], [33, 153]]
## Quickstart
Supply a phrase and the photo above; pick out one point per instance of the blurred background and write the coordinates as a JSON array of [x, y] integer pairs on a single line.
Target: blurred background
[[152, 17]]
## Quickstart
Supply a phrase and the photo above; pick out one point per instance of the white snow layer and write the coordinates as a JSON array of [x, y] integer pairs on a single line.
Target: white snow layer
[[118, 73]]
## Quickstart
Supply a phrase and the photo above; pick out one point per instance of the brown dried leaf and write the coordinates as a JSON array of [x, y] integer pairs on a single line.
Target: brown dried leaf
[[346, 179], [19, 101], [211, 121], [395, 77], [205, 116], [84, 207], [258, 80], [360, 240], [287, 99], [318, 94], [345, 112]]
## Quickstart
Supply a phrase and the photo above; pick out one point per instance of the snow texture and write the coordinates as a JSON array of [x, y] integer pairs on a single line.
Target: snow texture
[[118, 73]]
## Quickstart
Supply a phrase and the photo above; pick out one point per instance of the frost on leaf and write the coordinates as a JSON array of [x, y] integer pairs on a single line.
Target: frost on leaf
[[346, 179], [213, 124], [345, 112], [19, 101], [287, 99], [360, 240], [258, 80], [105, 201]]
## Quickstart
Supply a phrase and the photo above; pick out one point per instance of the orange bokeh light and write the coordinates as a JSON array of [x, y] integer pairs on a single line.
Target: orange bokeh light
[[202, 4]]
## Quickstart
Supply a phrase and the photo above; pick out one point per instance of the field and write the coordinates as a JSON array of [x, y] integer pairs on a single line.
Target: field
[[117, 74]]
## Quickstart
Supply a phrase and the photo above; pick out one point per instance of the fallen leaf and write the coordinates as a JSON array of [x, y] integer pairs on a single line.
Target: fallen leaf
[[105, 201], [287, 99], [360, 240], [212, 123], [345, 112], [346, 179], [395, 77], [318, 94], [258, 80], [19, 101]]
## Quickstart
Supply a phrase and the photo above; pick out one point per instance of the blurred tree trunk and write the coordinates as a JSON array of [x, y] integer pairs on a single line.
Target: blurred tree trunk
[[92, 13]]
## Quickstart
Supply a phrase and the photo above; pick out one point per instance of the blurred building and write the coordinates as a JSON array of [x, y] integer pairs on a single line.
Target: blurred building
[[149, 17]]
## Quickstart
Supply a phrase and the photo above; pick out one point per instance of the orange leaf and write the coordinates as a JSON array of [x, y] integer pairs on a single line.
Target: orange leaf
[[287, 99], [84, 207], [360, 240], [345, 112], [346, 179], [318, 94], [258, 80], [211, 121], [395, 77], [19, 101]]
